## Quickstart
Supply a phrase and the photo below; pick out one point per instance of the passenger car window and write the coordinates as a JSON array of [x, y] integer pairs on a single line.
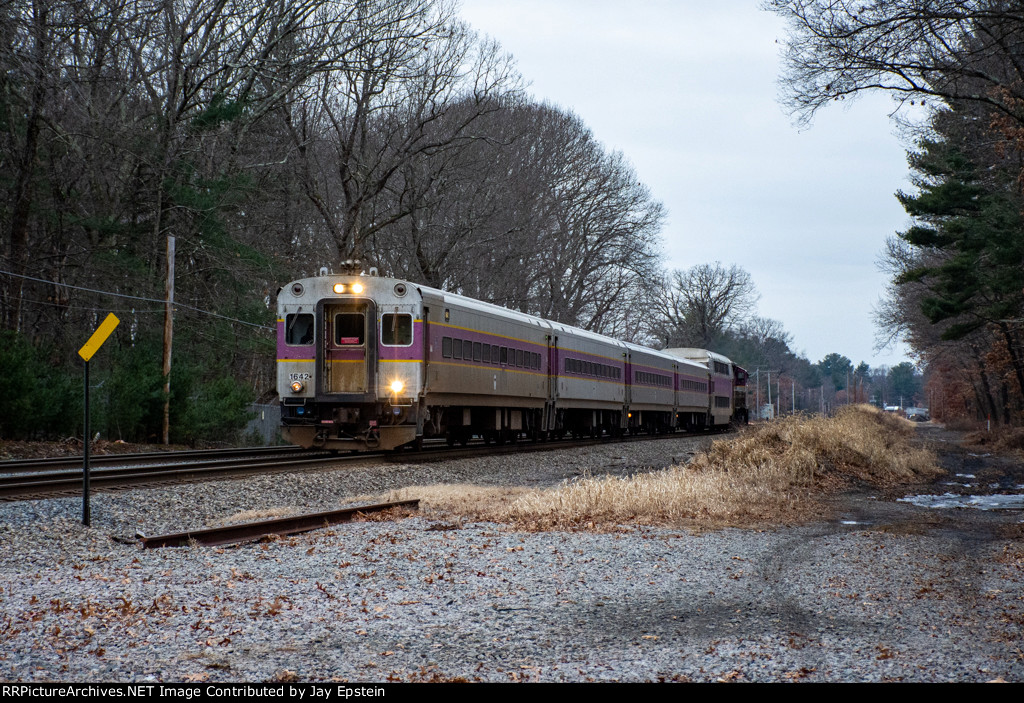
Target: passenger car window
[[298, 329], [396, 329]]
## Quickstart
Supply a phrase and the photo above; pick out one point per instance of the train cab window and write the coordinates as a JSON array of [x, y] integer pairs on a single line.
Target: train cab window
[[396, 330], [477, 351], [298, 329], [446, 347], [349, 328], [457, 349]]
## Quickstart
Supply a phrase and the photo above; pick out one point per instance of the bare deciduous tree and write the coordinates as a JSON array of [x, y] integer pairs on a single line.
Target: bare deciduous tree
[[948, 49], [414, 84], [699, 303]]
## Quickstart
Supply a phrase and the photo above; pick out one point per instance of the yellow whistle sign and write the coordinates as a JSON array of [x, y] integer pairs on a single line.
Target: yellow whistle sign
[[99, 337]]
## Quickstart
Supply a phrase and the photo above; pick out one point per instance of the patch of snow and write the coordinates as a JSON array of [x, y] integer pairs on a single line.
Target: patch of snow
[[949, 500]]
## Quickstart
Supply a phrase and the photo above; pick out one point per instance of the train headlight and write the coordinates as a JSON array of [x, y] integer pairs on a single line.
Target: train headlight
[[357, 288], [297, 386], [339, 287], [396, 387]]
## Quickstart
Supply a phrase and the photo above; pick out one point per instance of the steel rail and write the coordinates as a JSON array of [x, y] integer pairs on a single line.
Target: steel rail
[[42, 464], [248, 531], [12, 487]]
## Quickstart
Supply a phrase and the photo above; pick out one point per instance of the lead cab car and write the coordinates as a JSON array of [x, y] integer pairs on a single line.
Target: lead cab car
[[350, 354]]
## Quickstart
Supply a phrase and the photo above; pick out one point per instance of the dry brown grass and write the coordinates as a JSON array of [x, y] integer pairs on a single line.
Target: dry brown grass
[[768, 474], [1000, 439]]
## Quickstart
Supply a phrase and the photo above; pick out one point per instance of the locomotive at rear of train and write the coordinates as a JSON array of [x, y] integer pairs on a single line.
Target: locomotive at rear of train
[[368, 362]]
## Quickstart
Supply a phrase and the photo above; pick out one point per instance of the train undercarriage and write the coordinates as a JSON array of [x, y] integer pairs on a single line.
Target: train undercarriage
[[383, 427]]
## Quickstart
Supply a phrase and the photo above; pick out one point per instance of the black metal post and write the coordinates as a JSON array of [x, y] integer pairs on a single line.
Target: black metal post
[[85, 453]]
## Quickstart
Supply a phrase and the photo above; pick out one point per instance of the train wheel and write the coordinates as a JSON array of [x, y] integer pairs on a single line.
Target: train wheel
[[449, 438]]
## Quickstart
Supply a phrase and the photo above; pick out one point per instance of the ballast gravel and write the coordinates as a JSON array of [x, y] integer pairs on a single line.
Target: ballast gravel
[[885, 591]]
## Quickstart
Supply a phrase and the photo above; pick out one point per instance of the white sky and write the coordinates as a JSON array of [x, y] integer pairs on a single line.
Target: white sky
[[687, 90]]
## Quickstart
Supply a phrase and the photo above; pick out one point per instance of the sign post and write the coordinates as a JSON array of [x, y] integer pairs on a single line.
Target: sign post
[[91, 347]]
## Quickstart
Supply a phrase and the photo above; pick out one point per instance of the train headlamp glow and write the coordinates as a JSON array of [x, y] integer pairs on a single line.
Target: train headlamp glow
[[357, 288], [297, 386], [339, 287], [396, 387]]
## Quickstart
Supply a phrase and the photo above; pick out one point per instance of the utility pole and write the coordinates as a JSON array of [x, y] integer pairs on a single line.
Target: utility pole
[[757, 374]]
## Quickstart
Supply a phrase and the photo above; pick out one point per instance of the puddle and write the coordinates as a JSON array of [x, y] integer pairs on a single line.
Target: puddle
[[949, 500]]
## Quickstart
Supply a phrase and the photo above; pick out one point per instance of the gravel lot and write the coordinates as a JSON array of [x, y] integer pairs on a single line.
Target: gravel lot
[[884, 591]]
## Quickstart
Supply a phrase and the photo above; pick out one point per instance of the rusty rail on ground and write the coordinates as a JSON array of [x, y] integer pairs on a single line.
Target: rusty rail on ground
[[279, 526]]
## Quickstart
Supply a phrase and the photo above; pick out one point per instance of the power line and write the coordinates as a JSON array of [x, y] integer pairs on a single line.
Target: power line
[[129, 311], [136, 297]]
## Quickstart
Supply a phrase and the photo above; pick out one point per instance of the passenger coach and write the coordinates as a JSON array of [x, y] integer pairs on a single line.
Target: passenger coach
[[367, 362]]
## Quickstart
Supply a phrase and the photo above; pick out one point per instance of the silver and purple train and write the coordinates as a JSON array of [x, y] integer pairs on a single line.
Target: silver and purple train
[[366, 362]]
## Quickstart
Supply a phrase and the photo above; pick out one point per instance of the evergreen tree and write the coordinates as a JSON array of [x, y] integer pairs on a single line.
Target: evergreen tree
[[968, 244]]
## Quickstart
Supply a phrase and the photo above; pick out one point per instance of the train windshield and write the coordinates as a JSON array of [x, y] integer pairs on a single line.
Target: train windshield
[[299, 329], [396, 330], [348, 328]]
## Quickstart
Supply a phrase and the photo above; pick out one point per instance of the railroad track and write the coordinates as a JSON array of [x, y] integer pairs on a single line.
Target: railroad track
[[72, 462], [34, 482]]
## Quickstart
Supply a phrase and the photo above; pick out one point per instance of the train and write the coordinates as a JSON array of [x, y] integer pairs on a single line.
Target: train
[[368, 362]]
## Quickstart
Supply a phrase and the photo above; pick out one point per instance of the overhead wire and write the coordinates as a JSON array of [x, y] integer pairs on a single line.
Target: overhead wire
[[137, 297]]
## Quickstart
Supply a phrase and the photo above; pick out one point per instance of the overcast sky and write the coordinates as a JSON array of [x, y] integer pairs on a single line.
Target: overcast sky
[[688, 91]]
